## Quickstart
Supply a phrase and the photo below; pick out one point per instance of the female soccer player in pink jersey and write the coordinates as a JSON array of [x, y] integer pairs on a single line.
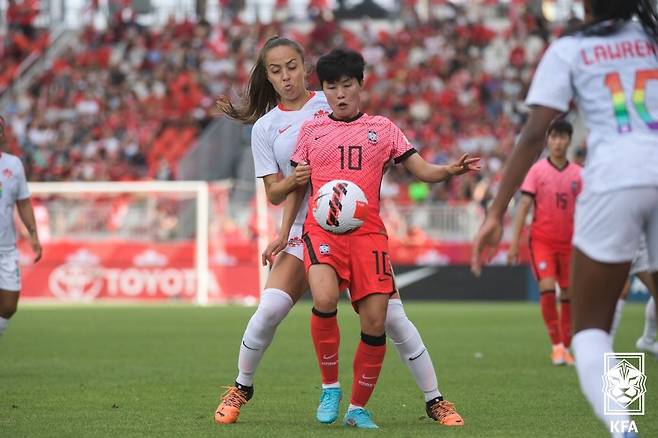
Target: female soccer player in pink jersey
[[552, 186], [353, 146], [610, 69], [278, 101]]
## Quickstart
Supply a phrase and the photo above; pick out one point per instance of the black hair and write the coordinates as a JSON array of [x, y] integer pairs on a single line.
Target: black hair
[[560, 126], [610, 15], [340, 63]]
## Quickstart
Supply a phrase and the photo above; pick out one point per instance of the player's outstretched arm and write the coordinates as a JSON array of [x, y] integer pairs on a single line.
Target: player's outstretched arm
[[519, 221], [26, 213], [526, 151], [433, 173], [292, 205]]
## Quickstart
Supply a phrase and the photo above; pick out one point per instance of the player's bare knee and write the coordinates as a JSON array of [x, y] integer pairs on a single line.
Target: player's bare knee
[[325, 303], [547, 284], [373, 324], [7, 310]]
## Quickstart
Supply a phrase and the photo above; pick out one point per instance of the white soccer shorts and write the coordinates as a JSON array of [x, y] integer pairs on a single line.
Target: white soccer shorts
[[609, 226], [641, 260], [295, 245], [10, 275]]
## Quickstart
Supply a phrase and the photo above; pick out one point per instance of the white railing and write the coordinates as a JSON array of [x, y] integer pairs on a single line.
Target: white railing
[[444, 222], [81, 203]]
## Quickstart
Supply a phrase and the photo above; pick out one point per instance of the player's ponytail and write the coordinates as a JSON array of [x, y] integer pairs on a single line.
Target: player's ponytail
[[260, 96], [646, 12], [610, 15]]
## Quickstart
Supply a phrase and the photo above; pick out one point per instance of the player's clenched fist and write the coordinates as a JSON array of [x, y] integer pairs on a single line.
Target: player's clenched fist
[[302, 174]]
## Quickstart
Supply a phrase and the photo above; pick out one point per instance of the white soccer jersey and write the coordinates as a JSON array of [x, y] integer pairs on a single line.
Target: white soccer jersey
[[274, 137], [614, 81], [13, 187]]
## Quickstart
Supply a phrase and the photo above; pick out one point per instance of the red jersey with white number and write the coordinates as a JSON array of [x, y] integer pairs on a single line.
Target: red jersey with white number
[[554, 191], [356, 150]]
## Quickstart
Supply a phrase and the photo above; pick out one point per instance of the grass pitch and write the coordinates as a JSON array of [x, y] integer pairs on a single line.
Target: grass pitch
[[157, 371]]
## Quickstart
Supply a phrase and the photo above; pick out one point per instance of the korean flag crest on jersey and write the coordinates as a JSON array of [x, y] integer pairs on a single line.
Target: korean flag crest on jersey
[[372, 137], [574, 187]]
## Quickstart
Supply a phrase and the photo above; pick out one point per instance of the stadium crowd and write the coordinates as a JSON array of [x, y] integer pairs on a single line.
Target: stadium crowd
[[20, 39], [452, 84]]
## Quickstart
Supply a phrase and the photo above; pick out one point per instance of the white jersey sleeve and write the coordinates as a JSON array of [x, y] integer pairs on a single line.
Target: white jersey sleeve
[[23, 191], [261, 148], [551, 86], [613, 79]]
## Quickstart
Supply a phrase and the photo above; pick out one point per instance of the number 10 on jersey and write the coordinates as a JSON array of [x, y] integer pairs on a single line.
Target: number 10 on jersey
[[613, 82], [353, 156]]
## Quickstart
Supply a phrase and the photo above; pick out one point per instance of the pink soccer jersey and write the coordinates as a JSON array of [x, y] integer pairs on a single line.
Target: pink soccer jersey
[[356, 151], [554, 191]]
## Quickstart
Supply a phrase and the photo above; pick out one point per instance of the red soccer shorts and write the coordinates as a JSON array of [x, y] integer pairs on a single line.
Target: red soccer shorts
[[361, 262], [551, 261]]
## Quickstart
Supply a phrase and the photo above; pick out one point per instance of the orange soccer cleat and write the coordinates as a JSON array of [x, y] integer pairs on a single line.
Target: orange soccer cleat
[[228, 410], [443, 412], [558, 355], [568, 357]]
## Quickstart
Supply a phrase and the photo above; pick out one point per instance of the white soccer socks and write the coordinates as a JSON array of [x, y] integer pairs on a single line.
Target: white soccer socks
[[273, 307], [650, 321], [412, 351], [4, 322], [589, 346], [616, 320]]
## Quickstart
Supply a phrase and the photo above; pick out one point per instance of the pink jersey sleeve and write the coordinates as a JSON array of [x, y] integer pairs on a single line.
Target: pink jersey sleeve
[[529, 185], [401, 149], [301, 150]]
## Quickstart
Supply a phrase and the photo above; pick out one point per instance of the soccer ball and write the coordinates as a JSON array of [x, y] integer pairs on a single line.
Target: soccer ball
[[340, 206]]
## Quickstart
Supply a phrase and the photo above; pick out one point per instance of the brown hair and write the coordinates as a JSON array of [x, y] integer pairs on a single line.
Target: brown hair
[[260, 96]]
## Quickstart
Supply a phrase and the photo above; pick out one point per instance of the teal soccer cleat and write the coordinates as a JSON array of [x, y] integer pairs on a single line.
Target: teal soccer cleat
[[329, 403], [359, 418]]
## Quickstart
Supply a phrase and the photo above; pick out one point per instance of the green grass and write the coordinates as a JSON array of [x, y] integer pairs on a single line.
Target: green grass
[[157, 371]]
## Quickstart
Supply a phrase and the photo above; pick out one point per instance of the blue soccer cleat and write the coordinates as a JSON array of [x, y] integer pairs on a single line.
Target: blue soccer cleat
[[360, 418], [327, 412]]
